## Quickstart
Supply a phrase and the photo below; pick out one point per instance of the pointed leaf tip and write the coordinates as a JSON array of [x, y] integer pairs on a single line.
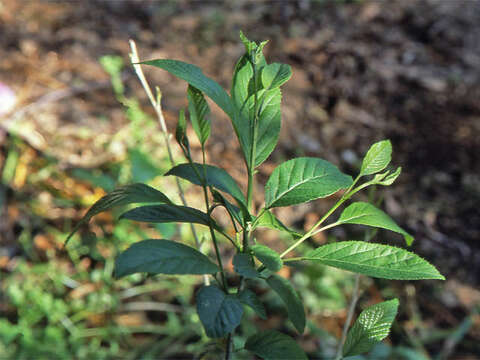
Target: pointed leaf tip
[[363, 213], [125, 195]]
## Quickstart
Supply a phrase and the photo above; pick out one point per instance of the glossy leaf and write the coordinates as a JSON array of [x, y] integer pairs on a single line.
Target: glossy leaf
[[268, 257], [241, 84], [303, 179], [162, 257], [199, 111], [292, 301], [129, 194], [167, 213], [269, 220], [273, 345], [216, 177], [249, 298], [219, 313], [269, 121], [363, 213], [377, 158], [243, 265], [248, 90], [194, 76], [372, 326], [275, 75], [269, 115], [375, 260]]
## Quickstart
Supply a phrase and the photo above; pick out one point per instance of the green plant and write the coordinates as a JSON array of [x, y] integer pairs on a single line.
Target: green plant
[[254, 109]]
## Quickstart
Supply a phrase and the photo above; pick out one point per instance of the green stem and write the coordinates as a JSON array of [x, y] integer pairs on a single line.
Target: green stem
[[347, 195], [253, 136], [214, 239]]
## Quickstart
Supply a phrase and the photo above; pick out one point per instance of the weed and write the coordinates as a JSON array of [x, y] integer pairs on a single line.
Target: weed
[[254, 108]]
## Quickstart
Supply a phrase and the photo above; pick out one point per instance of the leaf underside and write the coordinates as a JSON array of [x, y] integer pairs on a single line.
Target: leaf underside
[[199, 111], [372, 326]]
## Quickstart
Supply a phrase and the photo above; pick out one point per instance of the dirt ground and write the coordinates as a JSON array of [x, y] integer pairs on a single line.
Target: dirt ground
[[362, 71]]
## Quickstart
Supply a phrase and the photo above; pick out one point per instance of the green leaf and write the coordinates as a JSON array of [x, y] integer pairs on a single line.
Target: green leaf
[[249, 298], [363, 213], [268, 257], [194, 76], [239, 214], [181, 130], [387, 178], [273, 345], [219, 313], [269, 220], [275, 75], [199, 110], [162, 257], [243, 265], [375, 260], [269, 112], [303, 179], [269, 121], [216, 177], [254, 50], [377, 158], [248, 89], [372, 326], [292, 301], [129, 194], [168, 213]]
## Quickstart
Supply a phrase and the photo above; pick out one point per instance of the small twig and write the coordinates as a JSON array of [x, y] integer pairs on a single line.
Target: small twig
[[351, 311], [150, 306], [156, 103]]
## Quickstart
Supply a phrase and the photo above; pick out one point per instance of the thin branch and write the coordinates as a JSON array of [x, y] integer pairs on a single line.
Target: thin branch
[[348, 321]]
